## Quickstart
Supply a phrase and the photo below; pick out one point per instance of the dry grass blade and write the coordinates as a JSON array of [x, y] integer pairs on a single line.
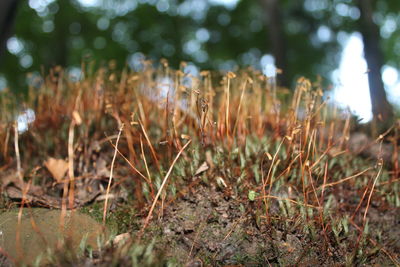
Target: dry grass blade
[[147, 168], [18, 233], [71, 164], [372, 189], [293, 154], [130, 164], [153, 152], [345, 179], [17, 154], [146, 222], [240, 105], [270, 178], [111, 174]]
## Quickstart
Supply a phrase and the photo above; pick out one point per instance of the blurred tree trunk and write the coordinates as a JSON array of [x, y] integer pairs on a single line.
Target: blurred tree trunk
[[62, 21], [8, 10], [381, 108], [276, 37]]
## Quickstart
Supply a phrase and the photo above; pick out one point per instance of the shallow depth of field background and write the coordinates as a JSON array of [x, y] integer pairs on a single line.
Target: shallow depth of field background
[[322, 39]]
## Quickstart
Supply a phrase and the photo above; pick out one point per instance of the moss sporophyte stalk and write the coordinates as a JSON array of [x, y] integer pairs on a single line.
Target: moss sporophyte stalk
[[214, 169]]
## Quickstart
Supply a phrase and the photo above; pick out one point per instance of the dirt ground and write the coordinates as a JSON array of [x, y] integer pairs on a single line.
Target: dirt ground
[[208, 227]]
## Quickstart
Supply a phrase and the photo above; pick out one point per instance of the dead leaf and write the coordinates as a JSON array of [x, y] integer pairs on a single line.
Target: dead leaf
[[203, 167], [57, 167]]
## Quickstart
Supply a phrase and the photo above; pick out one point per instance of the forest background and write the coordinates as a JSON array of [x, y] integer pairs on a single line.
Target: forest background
[[302, 38]]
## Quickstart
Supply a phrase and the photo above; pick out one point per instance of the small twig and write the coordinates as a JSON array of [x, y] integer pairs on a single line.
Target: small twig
[[111, 173], [146, 222]]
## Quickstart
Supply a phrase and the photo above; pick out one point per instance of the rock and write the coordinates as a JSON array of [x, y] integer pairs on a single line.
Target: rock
[[39, 231]]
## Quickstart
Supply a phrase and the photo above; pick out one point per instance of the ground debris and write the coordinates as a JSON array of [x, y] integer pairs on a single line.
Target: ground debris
[[35, 195]]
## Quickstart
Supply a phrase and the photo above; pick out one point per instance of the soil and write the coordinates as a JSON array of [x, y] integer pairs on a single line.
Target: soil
[[210, 228], [210, 225], [213, 226]]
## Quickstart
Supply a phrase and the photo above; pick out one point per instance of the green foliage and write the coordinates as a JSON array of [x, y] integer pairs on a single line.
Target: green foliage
[[212, 36], [252, 195]]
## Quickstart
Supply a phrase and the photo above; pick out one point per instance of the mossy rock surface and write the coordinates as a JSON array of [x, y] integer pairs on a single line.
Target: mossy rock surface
[[39, 232]]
